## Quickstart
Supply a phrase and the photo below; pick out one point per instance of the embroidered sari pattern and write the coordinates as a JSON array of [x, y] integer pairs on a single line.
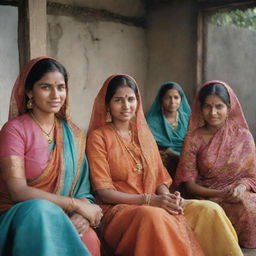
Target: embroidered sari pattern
[[226, 161]]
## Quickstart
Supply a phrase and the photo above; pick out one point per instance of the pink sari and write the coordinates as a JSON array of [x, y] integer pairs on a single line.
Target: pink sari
[[226, 161], [22, 142]]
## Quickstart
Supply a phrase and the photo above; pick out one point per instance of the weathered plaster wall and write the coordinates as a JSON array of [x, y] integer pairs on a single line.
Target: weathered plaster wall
[[122, 7], [172, 47], [92, 50], [9, 60], [231, 57]]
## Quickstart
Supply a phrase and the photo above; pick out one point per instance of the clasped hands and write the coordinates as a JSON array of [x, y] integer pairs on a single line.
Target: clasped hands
[[234, 195], [85, 215], [172, 203]]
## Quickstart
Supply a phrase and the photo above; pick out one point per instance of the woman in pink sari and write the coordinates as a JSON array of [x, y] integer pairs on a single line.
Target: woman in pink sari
[[46, 207], [218, 158]]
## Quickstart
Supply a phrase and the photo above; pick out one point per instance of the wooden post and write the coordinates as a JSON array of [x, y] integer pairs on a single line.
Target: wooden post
[[32, 29], [37, 15]]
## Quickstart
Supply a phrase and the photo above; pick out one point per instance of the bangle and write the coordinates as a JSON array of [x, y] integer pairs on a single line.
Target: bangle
[[147, 199], [71, 205]]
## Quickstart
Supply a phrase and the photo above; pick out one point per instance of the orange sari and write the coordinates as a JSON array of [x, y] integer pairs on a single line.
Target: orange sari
[[134, 229]]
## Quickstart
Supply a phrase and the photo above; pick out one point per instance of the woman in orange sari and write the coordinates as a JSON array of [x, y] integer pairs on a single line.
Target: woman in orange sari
[[218, 161], [44, 172], [141, 216]]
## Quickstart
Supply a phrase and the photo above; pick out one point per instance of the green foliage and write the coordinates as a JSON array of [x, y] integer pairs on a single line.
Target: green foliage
[[240, 18]]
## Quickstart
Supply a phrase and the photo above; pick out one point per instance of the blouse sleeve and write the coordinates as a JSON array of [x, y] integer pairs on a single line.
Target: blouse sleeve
[[97, 157], [187, 167], [12, 140]]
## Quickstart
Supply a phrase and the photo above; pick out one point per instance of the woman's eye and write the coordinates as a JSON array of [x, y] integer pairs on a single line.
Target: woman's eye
[[62, 87], [45, 87], [206, 106], [131, 99], [220, 106]]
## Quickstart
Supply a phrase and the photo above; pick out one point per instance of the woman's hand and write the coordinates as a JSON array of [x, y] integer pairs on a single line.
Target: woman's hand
[[81, 224], [236, 194], [172, 203], [233, 195], [91, 212]]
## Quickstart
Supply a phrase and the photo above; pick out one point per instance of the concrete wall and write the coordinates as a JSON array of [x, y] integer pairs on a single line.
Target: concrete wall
[[172, 46], [9, 60], [231, 57], [91, 50]]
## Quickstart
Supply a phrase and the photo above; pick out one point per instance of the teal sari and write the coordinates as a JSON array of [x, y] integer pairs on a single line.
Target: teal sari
[[39, 227], [165, 136]]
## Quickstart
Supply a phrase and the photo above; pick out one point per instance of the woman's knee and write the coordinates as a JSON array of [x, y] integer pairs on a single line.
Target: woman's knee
[[148, 212], [38, 207]]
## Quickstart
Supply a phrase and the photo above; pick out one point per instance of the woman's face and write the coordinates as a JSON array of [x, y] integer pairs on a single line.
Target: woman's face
[[49, 93], [214, 111], [171, 101], [123, 104]]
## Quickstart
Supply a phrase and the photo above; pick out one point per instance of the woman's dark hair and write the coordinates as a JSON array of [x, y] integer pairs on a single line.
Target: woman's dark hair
[[168, 87], [216, 89], [116, 83], [41, 68]]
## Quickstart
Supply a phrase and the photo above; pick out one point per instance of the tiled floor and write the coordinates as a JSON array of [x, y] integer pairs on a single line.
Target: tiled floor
[[249, 252]]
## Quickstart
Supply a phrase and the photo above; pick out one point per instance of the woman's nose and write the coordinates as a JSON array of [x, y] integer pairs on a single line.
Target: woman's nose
[[213, 111], [125, 104], [54, 92]]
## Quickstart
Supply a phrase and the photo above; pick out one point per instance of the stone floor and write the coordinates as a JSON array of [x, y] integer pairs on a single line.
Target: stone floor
[[249, 252]]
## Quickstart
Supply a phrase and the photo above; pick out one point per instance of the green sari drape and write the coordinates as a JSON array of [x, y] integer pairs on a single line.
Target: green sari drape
[[165, 135]]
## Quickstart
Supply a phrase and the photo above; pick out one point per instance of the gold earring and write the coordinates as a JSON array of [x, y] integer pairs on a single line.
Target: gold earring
[[108, 117], [30, 103]]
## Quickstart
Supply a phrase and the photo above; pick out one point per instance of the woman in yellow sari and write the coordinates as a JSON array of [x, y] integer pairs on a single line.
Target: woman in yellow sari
[[141, 216]]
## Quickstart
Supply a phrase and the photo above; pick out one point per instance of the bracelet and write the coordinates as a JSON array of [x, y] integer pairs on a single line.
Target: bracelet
[[147, 199], [71, 205]]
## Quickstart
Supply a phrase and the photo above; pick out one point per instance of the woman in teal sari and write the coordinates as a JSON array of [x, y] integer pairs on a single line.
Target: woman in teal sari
[[168, 120], [46, 208]]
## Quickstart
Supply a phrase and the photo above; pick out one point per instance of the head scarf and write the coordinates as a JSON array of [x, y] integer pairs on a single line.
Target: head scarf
[[235, 113], [18, 97], [163, 132], [146, 140], [229, 155]]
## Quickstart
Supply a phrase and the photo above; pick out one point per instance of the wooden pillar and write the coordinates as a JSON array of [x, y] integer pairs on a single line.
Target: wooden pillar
[[32, 29]]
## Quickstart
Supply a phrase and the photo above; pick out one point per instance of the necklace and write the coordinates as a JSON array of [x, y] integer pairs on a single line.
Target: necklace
[[175, 123], [138, 166], [122, 134], [48, 134]]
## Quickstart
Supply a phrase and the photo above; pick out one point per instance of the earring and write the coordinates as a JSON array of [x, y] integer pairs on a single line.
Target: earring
[[108, 117], [30, 103]]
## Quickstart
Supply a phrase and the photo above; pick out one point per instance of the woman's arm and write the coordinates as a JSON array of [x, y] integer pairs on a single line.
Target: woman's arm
[[13, 174], [165, 201], [110, 196], [204, 192]]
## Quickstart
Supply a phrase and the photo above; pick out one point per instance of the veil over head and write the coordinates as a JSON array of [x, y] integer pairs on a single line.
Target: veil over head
[[235, 113], [146, 140], [18, 99]]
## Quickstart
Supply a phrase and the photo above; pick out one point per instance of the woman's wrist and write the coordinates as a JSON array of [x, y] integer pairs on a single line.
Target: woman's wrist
[[72, 205], [162, 190], [146, 199]]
